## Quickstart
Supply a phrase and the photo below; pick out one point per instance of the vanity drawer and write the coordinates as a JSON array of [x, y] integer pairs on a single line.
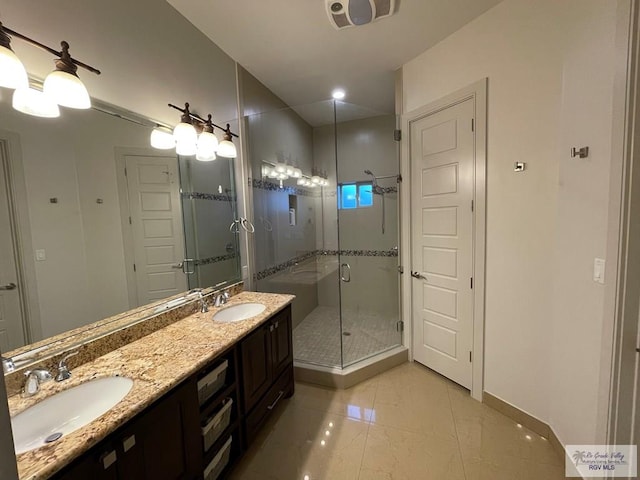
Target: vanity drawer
[[212, 382], [215, 468], [282, 388], [217, 424]]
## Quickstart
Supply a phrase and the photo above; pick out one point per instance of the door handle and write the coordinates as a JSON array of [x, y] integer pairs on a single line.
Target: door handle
[[177, 265], [342, 276], [185, 266], [419, 276], [8, 286]]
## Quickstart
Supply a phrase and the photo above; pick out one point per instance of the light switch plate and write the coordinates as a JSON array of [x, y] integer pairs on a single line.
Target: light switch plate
[[41, 256], [598, 270]]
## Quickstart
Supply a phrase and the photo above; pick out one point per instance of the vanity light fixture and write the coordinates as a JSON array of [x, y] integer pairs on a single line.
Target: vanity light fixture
[[62, 85], [338, 94], [162, 138], [13, 73], [35, 102], [207, 143], [226, 148], [185, 134]]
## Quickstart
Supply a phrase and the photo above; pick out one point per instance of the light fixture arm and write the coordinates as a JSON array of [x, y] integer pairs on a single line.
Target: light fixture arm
[[63, 55], [185, 111]]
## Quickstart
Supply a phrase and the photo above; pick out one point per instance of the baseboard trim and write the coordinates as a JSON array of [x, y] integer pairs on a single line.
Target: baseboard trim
[[523, 418]]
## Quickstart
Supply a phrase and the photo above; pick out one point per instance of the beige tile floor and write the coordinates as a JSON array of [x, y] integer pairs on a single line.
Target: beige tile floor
[[406, 424]]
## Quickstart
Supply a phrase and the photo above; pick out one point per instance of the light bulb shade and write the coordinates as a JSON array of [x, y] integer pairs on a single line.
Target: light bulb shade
[[272, 173], [12, 72], [281, 167], [227, 149], [67, 90], [34, 102], [289, 170], [302, 181], [162, 139], [282, 176], [186, 148], [266, 170], [185, 133], [315, 179], [207, 145], [297, 173]]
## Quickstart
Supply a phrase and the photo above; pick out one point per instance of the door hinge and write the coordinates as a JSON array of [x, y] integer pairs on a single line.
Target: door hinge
[[471, 282], [397, 135], [400, 269], [129, 220], [473, 125], [400, 326], [134, 267], [472, 205], [125, 171], [470, 358]]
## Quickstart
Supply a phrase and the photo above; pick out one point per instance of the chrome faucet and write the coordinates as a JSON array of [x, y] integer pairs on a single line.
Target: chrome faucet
[[8, 365], [203, 303], [34, 379], [63, 368], [221, 299]]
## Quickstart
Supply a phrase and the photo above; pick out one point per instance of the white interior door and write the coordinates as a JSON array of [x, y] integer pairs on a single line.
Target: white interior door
[[442, 182], [156, 222], [11, 316]]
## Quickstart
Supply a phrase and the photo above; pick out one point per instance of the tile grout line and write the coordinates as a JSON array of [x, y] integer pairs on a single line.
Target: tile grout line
[[366, 438], [455, 426]]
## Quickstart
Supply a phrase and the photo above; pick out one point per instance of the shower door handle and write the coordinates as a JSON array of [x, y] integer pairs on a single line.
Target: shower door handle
[[345, 279], [185, 266]]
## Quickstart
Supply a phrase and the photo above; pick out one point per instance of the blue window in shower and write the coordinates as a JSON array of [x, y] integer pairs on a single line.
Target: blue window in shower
[[355, 195], [348, 196], [365, 195]]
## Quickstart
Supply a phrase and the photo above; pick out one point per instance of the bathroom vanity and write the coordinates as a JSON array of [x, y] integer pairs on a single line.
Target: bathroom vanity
[[202, 389]]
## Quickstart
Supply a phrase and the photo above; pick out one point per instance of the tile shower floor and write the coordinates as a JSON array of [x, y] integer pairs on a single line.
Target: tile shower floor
[[317, 339], [406, 424]]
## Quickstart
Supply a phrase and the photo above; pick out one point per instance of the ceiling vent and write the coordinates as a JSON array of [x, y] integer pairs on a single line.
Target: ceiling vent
[[349, 13]]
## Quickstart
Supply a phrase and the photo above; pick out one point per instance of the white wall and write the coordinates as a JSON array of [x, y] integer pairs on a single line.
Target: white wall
[[550, 68]]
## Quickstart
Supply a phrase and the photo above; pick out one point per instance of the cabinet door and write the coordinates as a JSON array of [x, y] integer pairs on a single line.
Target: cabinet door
[[281, 344], [164, 443], [256, 366], [101, 463]]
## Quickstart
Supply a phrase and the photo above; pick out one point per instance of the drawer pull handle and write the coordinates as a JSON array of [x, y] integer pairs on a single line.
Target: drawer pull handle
[[108, 459], [128, 443], [273, 405]]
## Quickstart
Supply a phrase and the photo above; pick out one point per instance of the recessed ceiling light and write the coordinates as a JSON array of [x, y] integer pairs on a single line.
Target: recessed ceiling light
[[338, 94]]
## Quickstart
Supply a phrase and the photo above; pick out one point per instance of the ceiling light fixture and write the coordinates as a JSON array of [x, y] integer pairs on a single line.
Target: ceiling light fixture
[[338, 94], [62, 85]]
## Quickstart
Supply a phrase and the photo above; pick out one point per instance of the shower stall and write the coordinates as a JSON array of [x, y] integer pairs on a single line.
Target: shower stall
[[325, 190]]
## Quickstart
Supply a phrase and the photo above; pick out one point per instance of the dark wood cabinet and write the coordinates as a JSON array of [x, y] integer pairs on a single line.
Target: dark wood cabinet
[[161, 443], [167, 442], [267, 370]]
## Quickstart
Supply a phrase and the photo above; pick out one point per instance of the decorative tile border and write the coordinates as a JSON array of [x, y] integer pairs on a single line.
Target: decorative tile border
[[219, 258], [208, 196], [385, 190], [301, 258], [275, 187]]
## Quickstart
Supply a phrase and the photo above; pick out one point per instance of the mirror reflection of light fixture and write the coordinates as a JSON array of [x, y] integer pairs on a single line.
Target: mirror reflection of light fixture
[[226, 148], [12, 71], [297, 173], [34, 102], [207, 143], [63, 84], [162, 138]]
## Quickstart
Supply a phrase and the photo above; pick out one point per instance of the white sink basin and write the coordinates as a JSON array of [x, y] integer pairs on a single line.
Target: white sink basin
[[66, 411], [239, 312]]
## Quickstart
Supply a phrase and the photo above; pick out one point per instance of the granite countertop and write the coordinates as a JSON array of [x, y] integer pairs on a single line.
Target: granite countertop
[[157, 363]]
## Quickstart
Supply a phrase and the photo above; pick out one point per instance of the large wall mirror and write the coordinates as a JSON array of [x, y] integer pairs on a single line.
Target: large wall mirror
[[95, 222]]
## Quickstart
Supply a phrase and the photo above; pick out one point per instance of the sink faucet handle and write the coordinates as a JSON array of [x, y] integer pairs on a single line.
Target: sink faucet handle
[[8, 365], [63, 368], [34, 379]]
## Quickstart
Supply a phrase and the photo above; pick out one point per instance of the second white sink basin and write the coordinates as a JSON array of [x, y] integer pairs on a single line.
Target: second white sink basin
[[66, 411], [239, 312]]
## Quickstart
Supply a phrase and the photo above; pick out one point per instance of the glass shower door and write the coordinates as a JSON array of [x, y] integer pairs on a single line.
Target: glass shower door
[[368, 192]]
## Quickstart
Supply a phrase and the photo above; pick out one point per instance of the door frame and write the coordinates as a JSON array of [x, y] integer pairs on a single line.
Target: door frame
[[21, 232], [478, 93]]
